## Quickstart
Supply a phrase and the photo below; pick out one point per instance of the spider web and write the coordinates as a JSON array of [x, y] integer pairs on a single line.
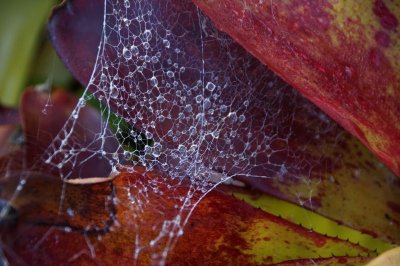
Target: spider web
[[183, 100]]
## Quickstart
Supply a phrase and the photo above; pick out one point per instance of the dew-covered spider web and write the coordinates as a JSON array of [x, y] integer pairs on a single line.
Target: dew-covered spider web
[[181, 99]]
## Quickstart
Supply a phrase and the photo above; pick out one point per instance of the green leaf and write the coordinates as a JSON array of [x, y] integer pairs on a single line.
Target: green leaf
[[21, 25]]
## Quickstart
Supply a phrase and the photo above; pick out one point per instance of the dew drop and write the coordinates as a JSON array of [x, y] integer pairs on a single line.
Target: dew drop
[[149, 135], [153, 81], [70, 212], [224, 108], [157, 150], [160, 99], [166, 43], [199, 98], [188, 108], [127, 155], [232, 116], [103, 77], [182, 149], [135, 50], [210, 86], [114, 93], [147, 35], [127, 53], [207, 103], [154, 59]]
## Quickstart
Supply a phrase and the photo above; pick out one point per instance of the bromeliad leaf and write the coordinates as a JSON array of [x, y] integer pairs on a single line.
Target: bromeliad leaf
[[342, 55]]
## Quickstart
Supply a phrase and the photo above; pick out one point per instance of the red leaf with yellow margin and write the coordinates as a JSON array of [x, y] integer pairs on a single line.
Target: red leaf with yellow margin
[[97, 223], [342, 55]]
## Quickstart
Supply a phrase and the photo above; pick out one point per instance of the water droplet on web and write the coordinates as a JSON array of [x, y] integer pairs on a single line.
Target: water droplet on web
[[224, 108], [210, 86], [127, 155], [82, 102], [114, 93], [160, 99], [154, 59], [232, 116], [246, 103], [207, 103], [135, 50], [200, 118], [199, 98], [166, 43], [192, 130], [147, 149], [188, 108], [215, 134], [170, 73], [103, 77], [70, 212], [149, 135], [153, 81], [147, 35], [182, 149], [242, 118], [146, 45], [157, 150], [127, 53], [127, 4]]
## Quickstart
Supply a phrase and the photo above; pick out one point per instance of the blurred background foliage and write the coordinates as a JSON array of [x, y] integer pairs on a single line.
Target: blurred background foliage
[[26, 54]]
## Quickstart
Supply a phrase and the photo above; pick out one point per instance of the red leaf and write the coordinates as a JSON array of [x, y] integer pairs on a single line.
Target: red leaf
[[100, 223], [343, 56], [43, 116]]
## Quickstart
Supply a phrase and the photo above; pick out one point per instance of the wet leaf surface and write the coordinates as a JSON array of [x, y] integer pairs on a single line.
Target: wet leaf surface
[[96, 223], [342, 55]]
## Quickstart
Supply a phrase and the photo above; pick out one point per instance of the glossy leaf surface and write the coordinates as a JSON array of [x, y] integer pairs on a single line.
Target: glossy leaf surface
[[342, 55], [95, 223]]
